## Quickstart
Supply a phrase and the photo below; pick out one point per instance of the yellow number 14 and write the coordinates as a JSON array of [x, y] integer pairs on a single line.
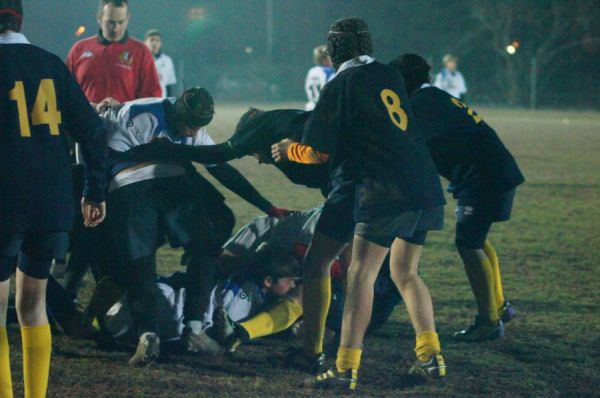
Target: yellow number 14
[[44, 109]]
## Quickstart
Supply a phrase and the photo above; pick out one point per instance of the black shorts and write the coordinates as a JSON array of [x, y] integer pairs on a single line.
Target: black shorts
[[37, 250], [474, 217], [145, 212], [337, 218], [410, 226]]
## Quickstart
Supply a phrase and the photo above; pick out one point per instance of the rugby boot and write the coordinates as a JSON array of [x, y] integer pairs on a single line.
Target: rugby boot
[[147, 351], [334, 380], [434, 368], [481, 331]]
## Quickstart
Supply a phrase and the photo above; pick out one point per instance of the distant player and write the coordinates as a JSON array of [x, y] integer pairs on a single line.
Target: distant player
[[318, 76], [164, 63], [362, 125], [450, 79], [39, 102], [483, 176]]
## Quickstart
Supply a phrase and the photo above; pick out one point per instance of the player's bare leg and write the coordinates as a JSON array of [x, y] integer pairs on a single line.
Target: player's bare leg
[[404, 263], [35, 333], [317, 290]]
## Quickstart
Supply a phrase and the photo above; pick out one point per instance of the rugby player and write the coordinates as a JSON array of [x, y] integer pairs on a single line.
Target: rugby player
[[483, 176], [364, 128], [152, 200], [40, 101], [318, 76]]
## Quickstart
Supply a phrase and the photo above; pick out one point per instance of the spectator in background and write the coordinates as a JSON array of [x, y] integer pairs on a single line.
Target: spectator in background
[[450, 79], [164, 63], [318, 76], [112, 67]]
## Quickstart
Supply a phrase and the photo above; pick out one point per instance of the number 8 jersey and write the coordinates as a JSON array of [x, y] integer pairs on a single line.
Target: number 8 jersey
[[39, 102], [364, 123]]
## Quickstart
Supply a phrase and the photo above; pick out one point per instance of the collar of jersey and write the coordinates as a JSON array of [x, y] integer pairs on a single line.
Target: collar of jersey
[[103, 40], [354, 62], [425, 85], [13, 38]]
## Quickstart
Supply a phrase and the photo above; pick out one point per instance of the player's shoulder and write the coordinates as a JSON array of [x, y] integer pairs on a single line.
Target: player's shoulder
[[80, 44], [136, 44]]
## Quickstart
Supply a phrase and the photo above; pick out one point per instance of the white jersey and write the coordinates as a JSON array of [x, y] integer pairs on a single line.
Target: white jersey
[[298, 227], [119, 324], [451, 82], [139, 122], [166, 72], [316, 79]]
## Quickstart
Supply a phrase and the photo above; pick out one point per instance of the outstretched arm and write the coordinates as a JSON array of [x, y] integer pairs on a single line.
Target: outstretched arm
[[233, 180], [165, 150]]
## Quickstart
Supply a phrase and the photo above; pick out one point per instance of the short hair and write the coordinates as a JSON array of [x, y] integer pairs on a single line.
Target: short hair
[[320, 54], [116, 3], [276, 262], [11, 15], [152, 32], [449, 57]]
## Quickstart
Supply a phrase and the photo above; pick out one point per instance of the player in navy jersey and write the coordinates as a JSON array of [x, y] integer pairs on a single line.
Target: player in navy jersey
[[362, 126], [255, 132], [483, 175], [39, 102]]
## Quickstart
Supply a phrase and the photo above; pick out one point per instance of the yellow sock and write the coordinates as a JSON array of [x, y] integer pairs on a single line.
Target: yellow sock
[[316, 300], [278, 317], [493, 257], [427, 345], [348, 358], [481, 278], [37, 348], [5, 377]]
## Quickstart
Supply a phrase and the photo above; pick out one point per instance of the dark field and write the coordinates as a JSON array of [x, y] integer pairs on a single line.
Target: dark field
[[549, 255]]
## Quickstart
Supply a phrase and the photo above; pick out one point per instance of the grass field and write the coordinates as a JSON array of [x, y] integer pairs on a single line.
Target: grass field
[[549, 255]]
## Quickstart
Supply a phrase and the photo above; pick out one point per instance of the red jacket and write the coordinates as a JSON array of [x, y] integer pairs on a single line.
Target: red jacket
[[124, 70]]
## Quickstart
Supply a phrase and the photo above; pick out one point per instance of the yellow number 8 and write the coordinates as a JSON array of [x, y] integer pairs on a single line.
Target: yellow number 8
[[392, 102]]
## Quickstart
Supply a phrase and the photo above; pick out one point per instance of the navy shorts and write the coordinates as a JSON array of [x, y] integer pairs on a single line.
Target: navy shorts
[[37, 249], [145, 212], [337, 218], [410, 226], [474, 217]]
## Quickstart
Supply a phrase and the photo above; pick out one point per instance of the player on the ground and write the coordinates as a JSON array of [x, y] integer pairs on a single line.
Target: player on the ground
[[483, 176], [151, 200], [362, 124], [318, 76], [164, 63], [39, 102]]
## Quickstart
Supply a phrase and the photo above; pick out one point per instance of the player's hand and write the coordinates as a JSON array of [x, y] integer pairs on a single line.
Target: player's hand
[[278, 212], [279, 150], [93, 213], [106, 104]]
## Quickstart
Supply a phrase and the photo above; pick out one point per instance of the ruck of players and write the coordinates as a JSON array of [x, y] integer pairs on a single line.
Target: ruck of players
[[99, 169]]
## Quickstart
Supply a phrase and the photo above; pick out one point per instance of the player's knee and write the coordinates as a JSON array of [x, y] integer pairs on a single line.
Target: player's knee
[[362, 273]]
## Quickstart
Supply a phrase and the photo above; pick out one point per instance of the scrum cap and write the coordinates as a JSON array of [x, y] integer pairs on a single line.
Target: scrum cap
[[348, 38]]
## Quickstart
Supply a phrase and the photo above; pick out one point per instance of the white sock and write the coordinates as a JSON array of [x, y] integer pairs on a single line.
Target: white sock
[[195, 326]]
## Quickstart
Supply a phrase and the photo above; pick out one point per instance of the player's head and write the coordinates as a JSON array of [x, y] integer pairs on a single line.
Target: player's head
[[321, 56], [153, 40], [348, 38], [277, 269], [245, 137], [11, 15], [113, 18], [192, 110], [450, 62], [414, 70]]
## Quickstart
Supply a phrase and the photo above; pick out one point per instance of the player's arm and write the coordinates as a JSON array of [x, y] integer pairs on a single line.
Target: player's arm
[[295, 152], [165, 150], [87, 129], [233, 180]]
